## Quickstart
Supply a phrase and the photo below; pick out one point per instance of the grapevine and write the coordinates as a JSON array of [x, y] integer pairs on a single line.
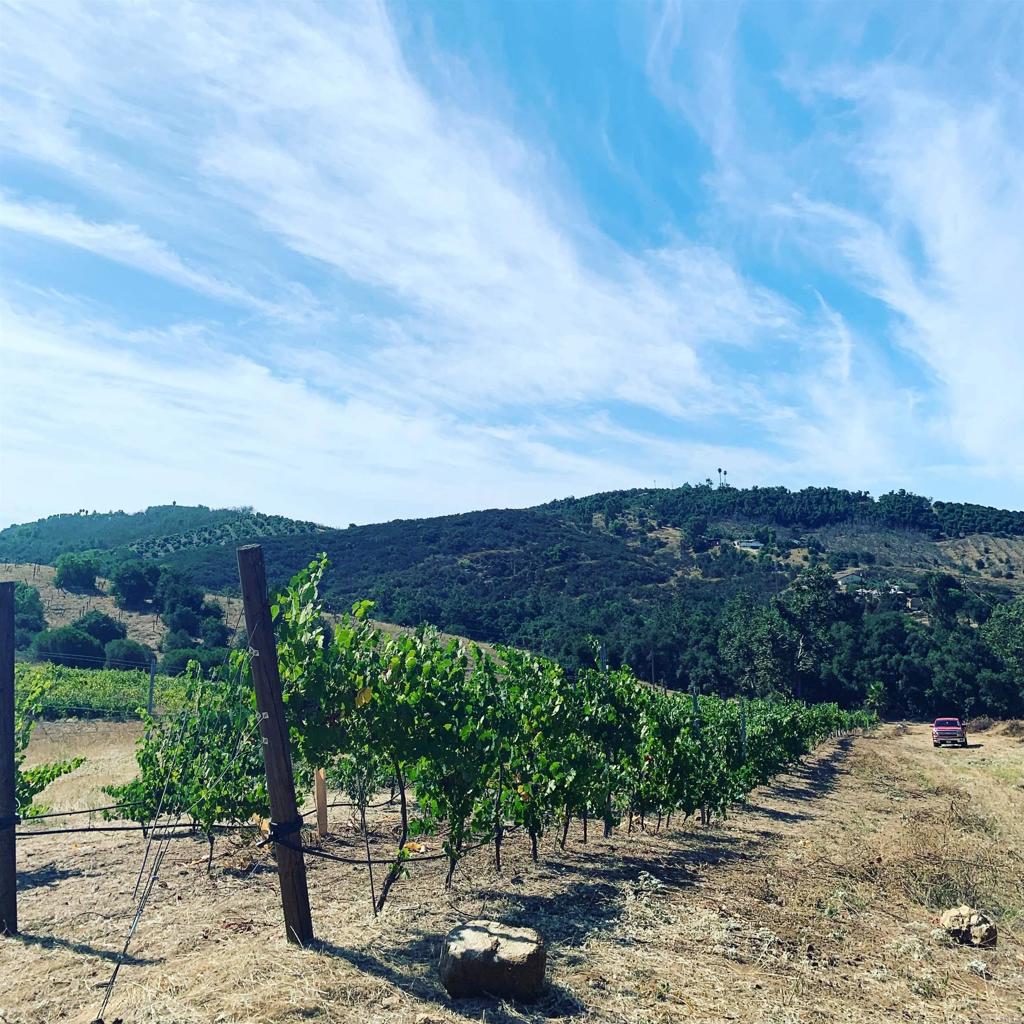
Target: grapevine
[[473, 743]]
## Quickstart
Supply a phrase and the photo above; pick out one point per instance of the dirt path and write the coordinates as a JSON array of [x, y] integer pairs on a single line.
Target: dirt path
[[816, 903]]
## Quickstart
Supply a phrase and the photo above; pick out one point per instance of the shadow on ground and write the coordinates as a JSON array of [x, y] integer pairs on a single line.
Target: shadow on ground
[[112, 956], [806, 782], [592, 899], [45, 877], [410, 968]]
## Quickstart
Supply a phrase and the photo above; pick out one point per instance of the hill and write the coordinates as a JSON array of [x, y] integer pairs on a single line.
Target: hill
[[154, 533], [653, 573]]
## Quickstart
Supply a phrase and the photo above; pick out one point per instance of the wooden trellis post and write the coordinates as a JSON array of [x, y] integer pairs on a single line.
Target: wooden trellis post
[[8, 780], [152, 683], [284, 813], [320, 782]]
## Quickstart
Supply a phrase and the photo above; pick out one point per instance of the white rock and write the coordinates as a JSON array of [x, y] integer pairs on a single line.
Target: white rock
[[490, 958], [969, 926]]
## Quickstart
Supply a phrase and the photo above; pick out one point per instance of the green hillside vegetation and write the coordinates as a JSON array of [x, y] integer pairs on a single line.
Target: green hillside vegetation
[[664, 578], [157, 531]]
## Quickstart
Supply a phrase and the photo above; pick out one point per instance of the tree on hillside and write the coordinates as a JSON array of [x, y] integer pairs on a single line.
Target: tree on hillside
[[177, 640], [183, 620], [942, 597], [1004, 634], [214, 633], [808, 607], [175, 590], [101, 626], [175, 661], [68, 646], [694, 533], [756, 648], [76, 572], [29, 618], [133, 583]]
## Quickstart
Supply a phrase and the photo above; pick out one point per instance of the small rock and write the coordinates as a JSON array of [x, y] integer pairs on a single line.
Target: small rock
[[490, 958], [969, 926]]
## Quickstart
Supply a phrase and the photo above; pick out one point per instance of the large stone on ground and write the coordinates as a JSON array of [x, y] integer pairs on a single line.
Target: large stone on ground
[[490, 958], [969, 926]]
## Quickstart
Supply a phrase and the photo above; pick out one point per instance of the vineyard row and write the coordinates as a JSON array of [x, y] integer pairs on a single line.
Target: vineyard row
[[473, 744]]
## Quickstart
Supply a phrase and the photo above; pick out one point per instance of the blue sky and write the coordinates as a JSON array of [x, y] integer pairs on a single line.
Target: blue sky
[[355, 262]]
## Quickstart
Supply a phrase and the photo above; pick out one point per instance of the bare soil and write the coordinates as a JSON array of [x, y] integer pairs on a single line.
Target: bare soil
[[817, 902]]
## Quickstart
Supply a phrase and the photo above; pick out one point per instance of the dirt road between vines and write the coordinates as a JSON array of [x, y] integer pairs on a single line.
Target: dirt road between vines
[[817, 902]]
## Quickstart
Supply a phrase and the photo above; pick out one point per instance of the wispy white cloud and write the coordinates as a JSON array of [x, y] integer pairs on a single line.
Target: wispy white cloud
[[943, 250], [482, 298], [913, 197], [121, 243], [226, 429], [484, 342]]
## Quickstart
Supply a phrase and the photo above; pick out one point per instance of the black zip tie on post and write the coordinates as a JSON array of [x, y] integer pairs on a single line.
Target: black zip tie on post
[[281, 829]]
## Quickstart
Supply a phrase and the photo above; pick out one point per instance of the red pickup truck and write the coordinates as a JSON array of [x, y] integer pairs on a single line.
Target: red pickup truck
[[948, 730]]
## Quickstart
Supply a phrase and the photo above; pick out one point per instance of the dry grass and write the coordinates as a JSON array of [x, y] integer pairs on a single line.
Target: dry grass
[[782, 914], [997, 553], [109, 750], [62, 607]]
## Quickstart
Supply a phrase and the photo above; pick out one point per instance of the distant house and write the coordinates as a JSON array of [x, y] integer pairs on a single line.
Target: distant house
[[850, 580], [749, 545]]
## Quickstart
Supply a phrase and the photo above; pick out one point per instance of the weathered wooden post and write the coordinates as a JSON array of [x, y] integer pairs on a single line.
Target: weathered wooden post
[[8, 781], [285, 820], [704, 817], [743, 726], [320, 787], [152, 683]]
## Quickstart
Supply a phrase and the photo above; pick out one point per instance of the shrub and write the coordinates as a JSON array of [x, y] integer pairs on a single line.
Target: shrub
[[134, 583], [183, 620], [100, 626], [174, 662], [76, 572], [68, 646], [175, 590], [28, 615], [177, 640], [215, 633], [121, 653]]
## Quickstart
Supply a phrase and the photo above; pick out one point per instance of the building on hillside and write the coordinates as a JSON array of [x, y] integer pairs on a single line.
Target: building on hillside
[[850, 580], [749, 545]]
